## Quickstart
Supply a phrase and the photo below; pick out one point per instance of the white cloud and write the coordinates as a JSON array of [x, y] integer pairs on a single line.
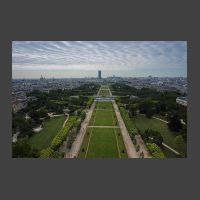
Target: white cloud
[[94, 55]]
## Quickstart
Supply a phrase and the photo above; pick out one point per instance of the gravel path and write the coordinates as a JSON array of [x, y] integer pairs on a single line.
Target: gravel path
[[143, 147], [79, 139], [65, 121], [170, 148], [160, 119], [130, 147]]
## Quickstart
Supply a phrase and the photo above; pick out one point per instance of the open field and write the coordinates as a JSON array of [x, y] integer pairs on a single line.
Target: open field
[[44, 138], [144, 123], [103, 142], [104, 115], [103, 118], [104, 105]]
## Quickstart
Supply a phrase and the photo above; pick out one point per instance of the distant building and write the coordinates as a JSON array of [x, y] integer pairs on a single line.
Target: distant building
[[182, 100], [99, 74], [19, 104]]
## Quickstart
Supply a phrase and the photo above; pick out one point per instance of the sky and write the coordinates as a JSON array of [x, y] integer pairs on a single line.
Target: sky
[[77, 59]]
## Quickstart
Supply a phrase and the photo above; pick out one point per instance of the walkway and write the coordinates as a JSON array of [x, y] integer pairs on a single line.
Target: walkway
[[65, 120], [130, 147], [79, 139], [142, 146], [176, 152], [161, 120]]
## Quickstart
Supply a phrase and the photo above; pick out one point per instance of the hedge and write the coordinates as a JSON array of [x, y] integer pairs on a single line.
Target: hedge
[[155, 150], [50, 153], [128, 122], [90, 101], [62, 134]]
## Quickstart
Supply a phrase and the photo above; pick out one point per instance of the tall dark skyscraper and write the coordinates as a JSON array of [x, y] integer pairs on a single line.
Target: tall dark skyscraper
[[99, 74]]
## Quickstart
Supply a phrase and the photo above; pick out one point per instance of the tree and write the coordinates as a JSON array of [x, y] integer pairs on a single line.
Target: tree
[[146, 105], [42, 113], [22, 149], [153, 136], [132, 109], [26, 129], [149, 113], [174, 123], [34, 115]]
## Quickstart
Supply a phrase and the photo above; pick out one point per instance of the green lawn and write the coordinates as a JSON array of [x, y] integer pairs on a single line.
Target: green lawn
[[103, 118], [44, 138], [144, 123], [103, 144], [104, 105]]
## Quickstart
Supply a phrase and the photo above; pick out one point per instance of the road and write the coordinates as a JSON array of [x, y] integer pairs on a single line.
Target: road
[[130, 147]]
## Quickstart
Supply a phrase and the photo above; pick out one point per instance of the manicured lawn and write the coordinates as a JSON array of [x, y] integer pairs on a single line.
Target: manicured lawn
[[104, 105], [144, 123], [44, 138], [103, 143], [103, 118]]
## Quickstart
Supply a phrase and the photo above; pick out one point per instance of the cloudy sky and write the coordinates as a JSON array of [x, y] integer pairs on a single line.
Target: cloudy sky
[[62, 59]]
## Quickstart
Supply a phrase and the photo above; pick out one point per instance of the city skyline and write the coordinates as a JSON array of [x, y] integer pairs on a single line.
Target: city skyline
[[79, 59]]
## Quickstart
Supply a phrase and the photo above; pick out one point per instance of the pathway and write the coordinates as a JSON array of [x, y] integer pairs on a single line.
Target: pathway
[[143, 147], [130, 147], [176, 152], [65, 120], [79, 139], [161, 120]]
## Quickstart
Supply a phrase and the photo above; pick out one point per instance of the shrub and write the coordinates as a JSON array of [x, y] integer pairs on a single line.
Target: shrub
[[155, 150], [50, 153], [62, 134]]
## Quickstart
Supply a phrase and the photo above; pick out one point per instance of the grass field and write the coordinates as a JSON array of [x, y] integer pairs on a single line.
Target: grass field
[[104, 105], [144, 123], [44, 138], [103, 142], [103, 118], [103, 115]]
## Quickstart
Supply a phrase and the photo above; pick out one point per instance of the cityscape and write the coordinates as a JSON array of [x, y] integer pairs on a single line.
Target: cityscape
[[100, 111]]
